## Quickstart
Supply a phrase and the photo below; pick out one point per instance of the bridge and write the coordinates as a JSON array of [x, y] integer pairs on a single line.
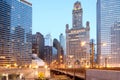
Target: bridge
[[77, 74], [86, 74]]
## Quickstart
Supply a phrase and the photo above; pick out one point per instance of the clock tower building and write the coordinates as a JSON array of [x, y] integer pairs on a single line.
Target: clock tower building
[[75, 36], [77, 15]]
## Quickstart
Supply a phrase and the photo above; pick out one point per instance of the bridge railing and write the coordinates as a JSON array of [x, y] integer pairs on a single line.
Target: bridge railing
[[76, 70]]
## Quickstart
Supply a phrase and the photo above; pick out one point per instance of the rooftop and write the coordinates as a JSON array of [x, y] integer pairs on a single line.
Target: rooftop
[[26, 2]]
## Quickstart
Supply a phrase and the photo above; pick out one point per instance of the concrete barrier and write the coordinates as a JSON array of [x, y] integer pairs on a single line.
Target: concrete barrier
[[94, 74]]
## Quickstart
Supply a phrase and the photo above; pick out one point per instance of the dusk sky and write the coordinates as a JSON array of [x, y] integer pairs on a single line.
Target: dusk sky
[[51, 16]]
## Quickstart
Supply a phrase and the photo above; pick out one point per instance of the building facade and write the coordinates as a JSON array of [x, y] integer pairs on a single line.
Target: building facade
[[15, 32], [38, 45], [75, 36], [54, 54], [107, 15], [48, 54], [115, 46]]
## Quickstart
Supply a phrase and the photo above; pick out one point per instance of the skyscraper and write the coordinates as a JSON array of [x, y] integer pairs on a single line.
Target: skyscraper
[[75, 36], [38, 45], [57, 45], [15, 32], [108, 13], [62, 42], [48, 40], [48, 54]]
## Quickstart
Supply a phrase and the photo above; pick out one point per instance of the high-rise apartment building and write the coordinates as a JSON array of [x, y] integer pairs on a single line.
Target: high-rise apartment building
[[15, 32], [108, 13], [75, 36]]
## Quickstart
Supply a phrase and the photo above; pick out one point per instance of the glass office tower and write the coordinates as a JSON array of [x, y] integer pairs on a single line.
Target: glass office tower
[[15, 32], [108, 13]]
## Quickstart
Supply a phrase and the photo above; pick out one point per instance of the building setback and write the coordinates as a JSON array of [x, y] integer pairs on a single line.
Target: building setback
[[75, 36], [15, 32]]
